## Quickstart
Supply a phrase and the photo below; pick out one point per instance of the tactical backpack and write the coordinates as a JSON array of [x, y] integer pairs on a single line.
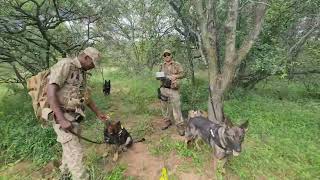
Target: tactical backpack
[[37, 89]]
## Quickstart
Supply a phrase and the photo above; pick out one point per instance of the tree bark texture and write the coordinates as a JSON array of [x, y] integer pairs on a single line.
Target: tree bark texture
[[221, 77]]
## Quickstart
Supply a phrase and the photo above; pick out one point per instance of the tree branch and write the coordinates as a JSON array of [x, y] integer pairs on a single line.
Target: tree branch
[[295, 48], [230, 31], [253, 35], [230, 46], [314, 71], [208, 35]]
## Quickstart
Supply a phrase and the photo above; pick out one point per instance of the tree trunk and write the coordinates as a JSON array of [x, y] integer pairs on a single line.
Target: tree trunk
[[215, 106], [221, 77]]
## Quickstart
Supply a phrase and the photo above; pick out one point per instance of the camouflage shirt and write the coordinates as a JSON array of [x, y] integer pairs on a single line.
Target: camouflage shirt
[[71, 79], [173, 68]]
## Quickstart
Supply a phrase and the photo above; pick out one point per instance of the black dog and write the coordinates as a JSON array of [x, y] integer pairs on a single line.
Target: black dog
[[106, 87]]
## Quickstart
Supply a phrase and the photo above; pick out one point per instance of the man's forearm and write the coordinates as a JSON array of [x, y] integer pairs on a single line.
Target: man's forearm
[[54, 102], [180, 75], [93, 107]]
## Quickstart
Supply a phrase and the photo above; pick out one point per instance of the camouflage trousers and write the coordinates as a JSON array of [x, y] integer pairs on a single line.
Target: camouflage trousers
[[72, 153], [172, 108]]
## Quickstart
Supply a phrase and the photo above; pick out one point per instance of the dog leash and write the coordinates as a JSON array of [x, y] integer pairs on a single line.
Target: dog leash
[[86, 139], [101, 71], [214, 112]]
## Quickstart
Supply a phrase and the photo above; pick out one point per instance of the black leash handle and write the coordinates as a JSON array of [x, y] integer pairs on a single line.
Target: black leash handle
[[86, 139]]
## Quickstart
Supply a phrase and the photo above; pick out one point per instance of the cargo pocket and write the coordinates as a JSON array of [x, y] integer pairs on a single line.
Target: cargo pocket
[[62, 137], [47, 114]]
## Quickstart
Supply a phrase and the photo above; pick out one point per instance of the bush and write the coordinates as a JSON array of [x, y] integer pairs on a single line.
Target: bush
[[22, 137], [194, 97]]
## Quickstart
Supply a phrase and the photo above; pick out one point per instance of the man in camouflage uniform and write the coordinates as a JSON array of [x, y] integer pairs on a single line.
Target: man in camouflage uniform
[[171, 108], [67, 97]]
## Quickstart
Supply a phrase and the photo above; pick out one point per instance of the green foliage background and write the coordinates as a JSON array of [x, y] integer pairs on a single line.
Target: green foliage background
[[282, 141]]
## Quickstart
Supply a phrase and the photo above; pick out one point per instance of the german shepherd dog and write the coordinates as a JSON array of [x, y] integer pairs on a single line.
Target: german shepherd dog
[[226, 139], [118, 138], [106, 87]]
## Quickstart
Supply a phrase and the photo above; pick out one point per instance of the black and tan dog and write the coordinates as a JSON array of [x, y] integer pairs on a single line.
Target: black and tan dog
[[117, 138], [226, 139]]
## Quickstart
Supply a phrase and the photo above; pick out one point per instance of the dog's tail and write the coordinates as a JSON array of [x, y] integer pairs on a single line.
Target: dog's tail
[[139, 140]]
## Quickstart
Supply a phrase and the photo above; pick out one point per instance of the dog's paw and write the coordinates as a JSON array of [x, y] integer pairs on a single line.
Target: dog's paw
[[115, 157], [189, 144], [124, 149], [186, 141]]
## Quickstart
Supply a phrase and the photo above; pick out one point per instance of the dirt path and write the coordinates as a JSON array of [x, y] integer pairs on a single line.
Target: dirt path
[[143, 165], [138, 160]]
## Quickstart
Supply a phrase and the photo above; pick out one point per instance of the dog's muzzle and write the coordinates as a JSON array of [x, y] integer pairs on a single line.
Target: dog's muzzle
[[235, 153], [236, 150]]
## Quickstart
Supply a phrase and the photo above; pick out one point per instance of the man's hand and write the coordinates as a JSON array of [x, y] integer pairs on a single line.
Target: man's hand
[[103, 117], [65, 125], [55, 106]]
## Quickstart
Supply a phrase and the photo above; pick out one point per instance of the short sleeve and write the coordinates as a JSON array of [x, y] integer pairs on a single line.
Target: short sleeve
[[59, 73]]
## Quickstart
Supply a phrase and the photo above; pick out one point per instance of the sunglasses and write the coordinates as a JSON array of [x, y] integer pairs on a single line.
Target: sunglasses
[[166, 54]]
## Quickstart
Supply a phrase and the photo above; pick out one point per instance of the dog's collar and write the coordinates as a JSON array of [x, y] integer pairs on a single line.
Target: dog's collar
[[214, 132], [120, 132], [115, 138]]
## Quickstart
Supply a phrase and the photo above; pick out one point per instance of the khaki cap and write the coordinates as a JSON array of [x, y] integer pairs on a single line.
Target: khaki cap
[[166, 51], [94, 54]]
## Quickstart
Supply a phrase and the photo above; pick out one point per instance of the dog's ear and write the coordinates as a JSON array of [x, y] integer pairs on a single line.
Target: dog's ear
[[244, 125], [118, 124], [204, 113], [191, 113]]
